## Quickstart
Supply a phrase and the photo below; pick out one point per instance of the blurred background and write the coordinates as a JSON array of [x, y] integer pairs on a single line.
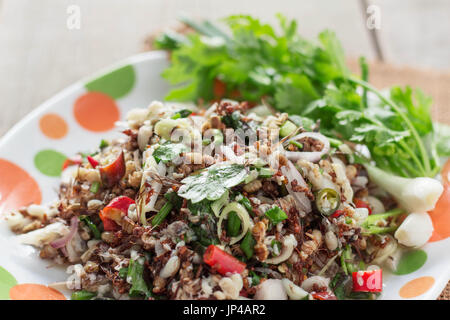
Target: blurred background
[[41, 52]]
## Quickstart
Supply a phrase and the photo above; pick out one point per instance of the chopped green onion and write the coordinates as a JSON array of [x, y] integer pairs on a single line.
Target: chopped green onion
[[233, 224], [247, 204], [95, 187], [334, 142], [266, 173], [276, 215], [162, 214], [276, 245], [370, 224], [82, 295], [327, 201], [174, 199], [297, 144], [91, 226], [247, 245], [218, 136], [103, 144], [123, 272], [287, 128], [255, 278], [182, 114]]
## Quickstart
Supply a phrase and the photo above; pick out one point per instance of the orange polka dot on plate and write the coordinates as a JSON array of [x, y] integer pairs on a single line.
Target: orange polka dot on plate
[[96, 111], [53, 126], [416, 287], [29, 291], [17, 187]]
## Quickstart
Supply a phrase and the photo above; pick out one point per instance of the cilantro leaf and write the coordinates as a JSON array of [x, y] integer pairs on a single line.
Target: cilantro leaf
[[212, 183], [138, 285], [276, 215], [169, 151]]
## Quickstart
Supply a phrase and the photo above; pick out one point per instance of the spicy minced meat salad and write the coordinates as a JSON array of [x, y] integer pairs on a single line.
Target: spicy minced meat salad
[[230, 202]]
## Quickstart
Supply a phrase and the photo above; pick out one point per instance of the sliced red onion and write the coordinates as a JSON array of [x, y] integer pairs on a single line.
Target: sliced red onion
[[291, 173], [61, 242], [312, 156]]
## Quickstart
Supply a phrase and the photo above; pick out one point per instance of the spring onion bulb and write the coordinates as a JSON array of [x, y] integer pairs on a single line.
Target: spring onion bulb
[[415, 230], [413, 194]]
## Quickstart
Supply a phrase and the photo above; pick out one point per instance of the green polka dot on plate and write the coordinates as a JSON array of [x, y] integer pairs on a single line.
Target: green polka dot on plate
[[115, 84], [7, 281], [411, 261], [49, 162]]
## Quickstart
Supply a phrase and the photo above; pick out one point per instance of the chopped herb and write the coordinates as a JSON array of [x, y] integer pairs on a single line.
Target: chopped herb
[[248, 244], [103, 144], [136, 274], [162, 214], [95, 187], [83, 295], [87, 220], [182, 114], [169, 151], [173, 198], [233, 224], [123, 272], [212, 183], [276, 215], [276, 245], [255, 278], [287, 128], [297, 144], [266, 173]]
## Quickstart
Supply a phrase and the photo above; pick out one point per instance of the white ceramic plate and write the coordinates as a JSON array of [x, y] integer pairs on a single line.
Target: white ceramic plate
[[77, 119]]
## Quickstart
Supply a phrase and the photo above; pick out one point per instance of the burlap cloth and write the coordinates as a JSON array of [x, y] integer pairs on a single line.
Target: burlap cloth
[[433, 83]]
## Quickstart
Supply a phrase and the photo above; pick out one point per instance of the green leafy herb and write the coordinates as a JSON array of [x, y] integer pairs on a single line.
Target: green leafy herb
[[247, 245], [162, 214], [212, 183], [182, 114], [87, 220], [123, 272], [139, 287], [173, 198], [103, 144], [95, 187], [311, 82], [276, 215], [168, 151], [83, 295], [255, 278], [233, 224]]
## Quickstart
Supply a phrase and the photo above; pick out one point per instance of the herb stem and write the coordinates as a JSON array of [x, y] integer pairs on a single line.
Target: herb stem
[[396, 108]]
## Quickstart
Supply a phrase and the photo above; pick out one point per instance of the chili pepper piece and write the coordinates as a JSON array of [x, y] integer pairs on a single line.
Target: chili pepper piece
[[323, 295], [367, 281], [221, 261], [72, 162], [362, 204], [111, 215], [94, 163], [114, 172]]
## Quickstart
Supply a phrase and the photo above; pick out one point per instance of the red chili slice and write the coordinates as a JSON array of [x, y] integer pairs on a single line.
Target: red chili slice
[[94, 163], [114, 172], [221, 261], [368, 281], [362, 204]]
